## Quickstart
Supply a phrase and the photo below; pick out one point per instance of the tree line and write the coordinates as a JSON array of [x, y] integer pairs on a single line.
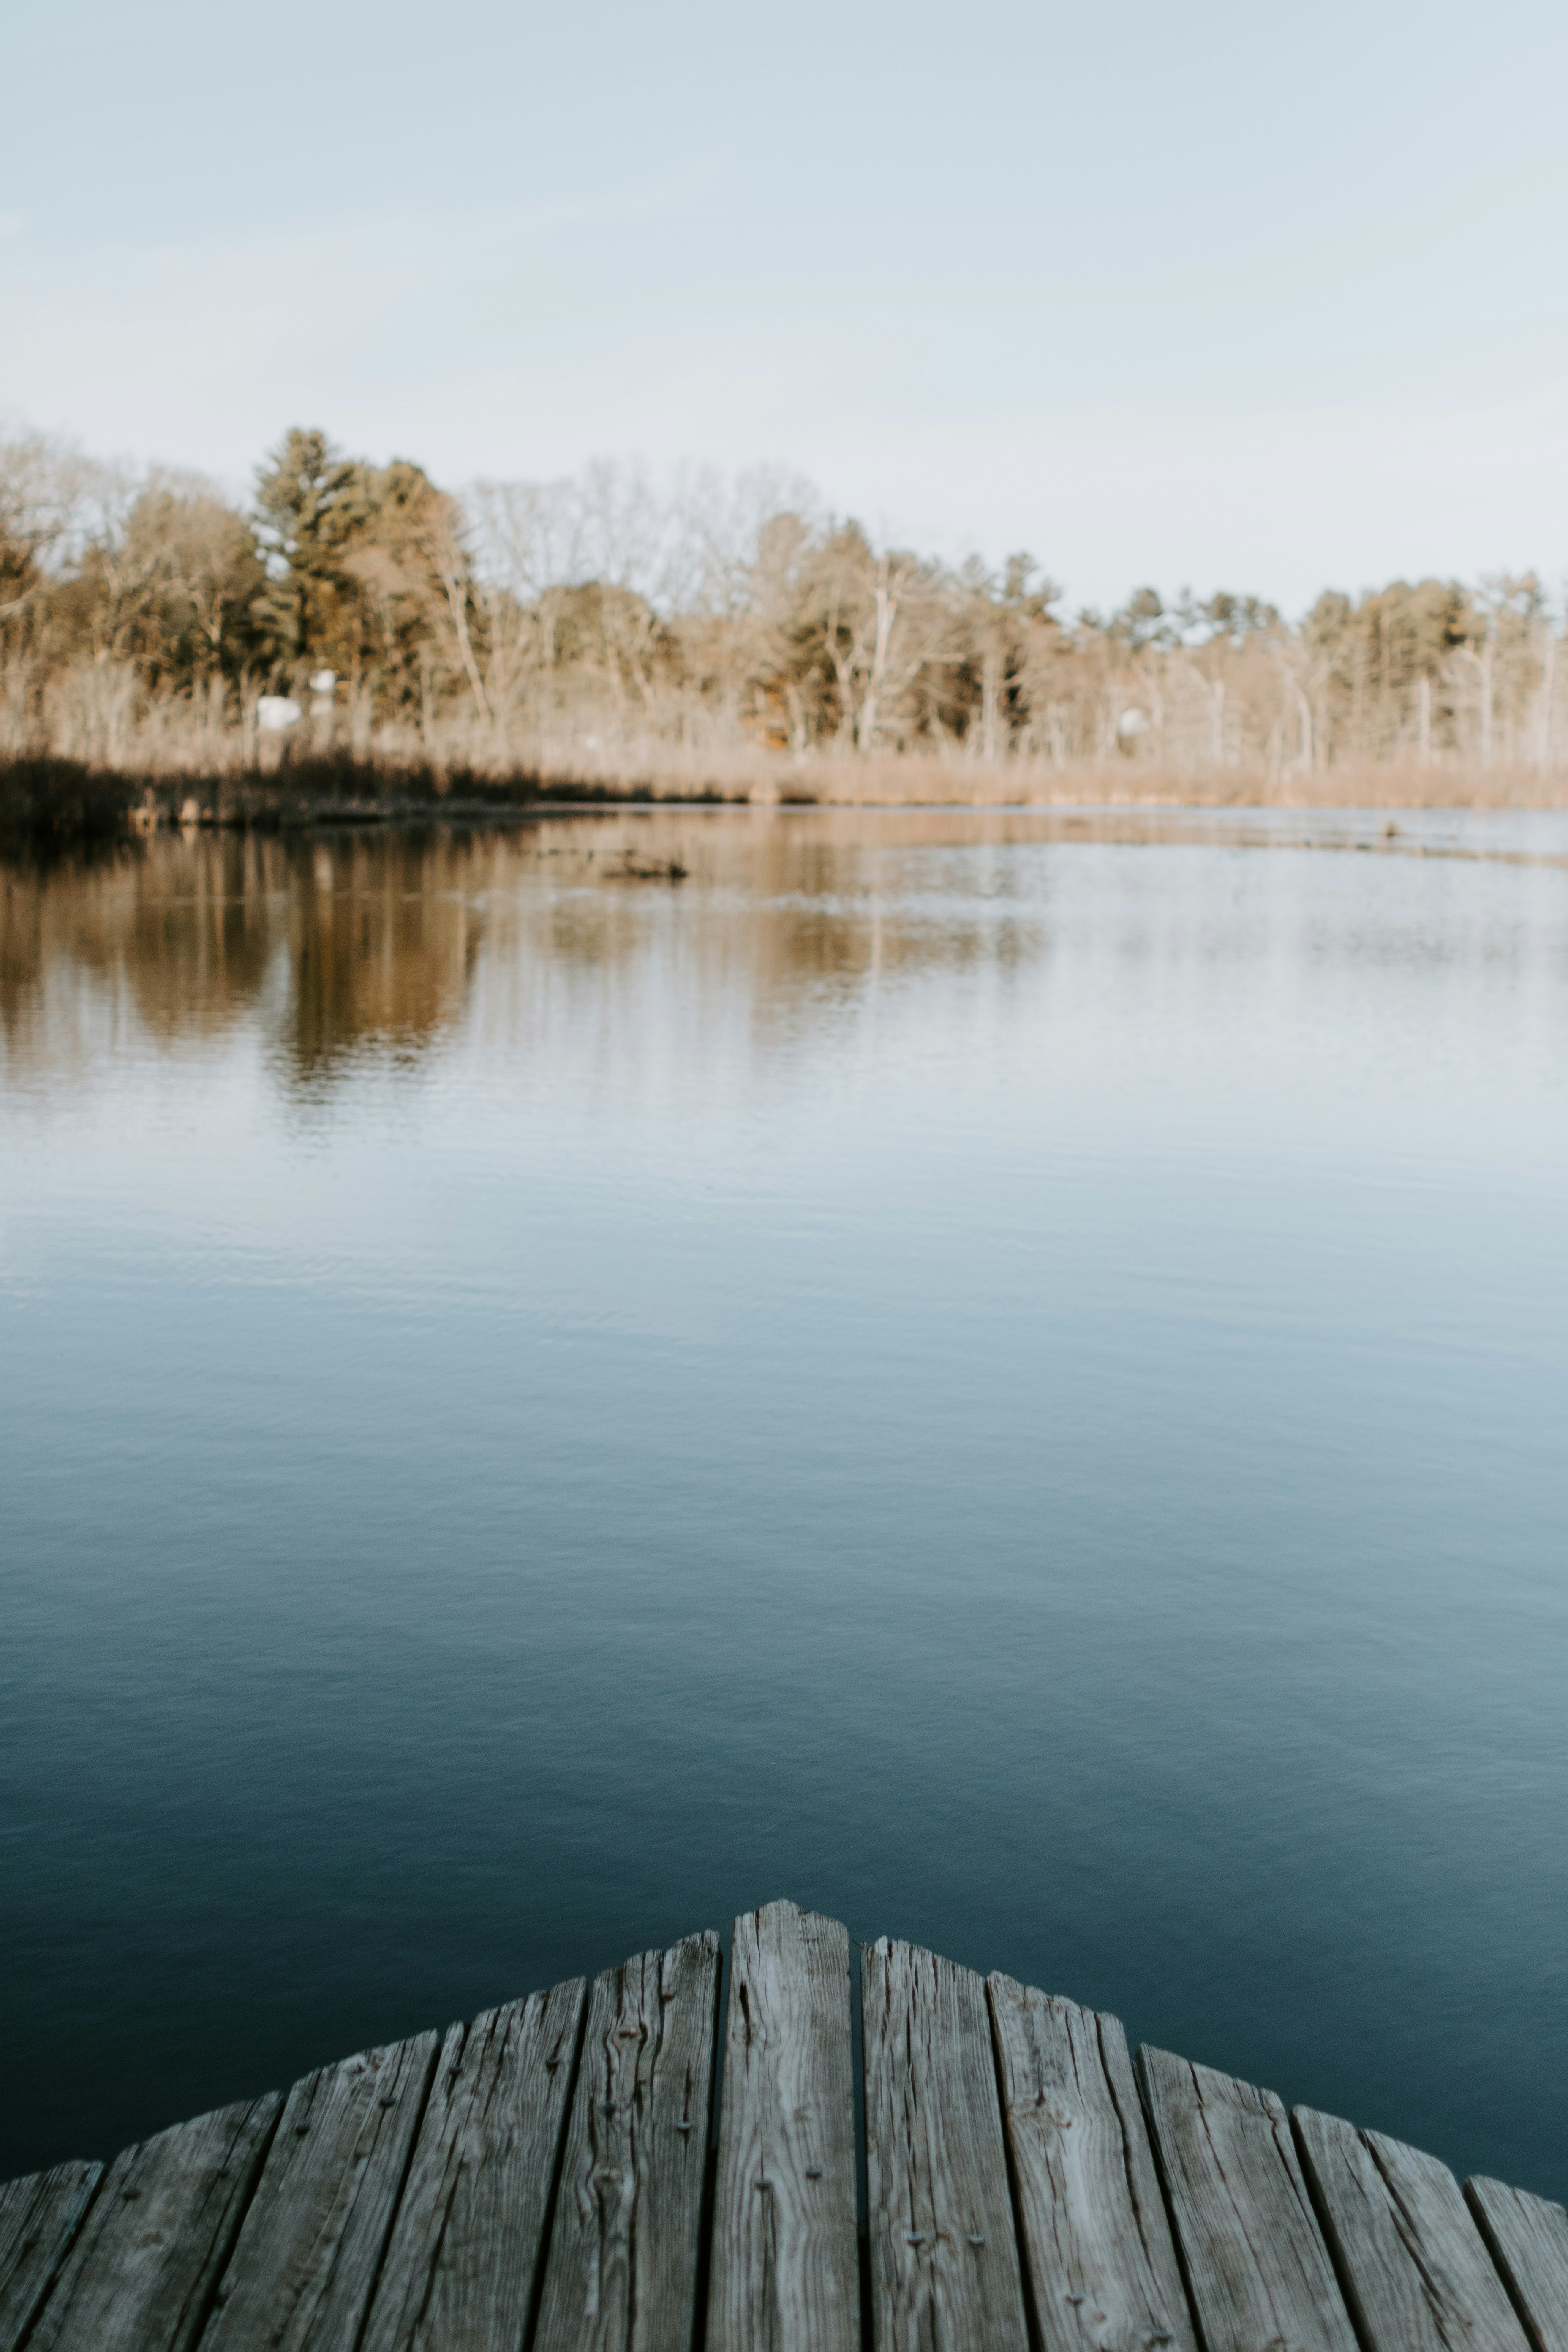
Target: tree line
[[599, 625]]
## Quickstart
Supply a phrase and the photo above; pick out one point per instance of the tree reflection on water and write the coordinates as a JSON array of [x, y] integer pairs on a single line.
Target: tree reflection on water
[[352, 942]]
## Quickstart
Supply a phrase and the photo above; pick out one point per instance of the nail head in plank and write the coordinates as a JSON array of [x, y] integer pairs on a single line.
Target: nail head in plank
[[1259, 2271], [1528, 2240], [38, 2219], [155, 2237], [622, 2266], [308, 2254], [1414, 2267], [1095, 2232], [459, 2265], [944, 2253], [785, 2272]]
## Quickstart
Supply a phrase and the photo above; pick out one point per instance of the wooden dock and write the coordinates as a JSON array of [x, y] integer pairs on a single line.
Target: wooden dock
[[854, 2148]]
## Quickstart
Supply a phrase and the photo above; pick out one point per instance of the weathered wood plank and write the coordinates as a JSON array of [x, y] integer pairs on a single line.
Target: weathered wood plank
[[1260, 2274], [1096, 2237], [150, 2252], [944, 2253], [622, 2265], [459, 2267], [1413, 2264], [786, 2274], [305, 2258], [38, 2219], [1529, 2240]]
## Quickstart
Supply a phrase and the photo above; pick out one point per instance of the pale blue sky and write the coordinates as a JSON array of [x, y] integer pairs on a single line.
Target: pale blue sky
[[1256, 297]]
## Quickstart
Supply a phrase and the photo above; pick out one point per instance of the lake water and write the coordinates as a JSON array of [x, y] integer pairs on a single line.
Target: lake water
[[1000, 1375]]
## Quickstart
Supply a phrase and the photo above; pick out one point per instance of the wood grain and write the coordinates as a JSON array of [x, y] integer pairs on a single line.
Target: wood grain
[[1529, 2240], [1260, 2274], [1414, 2267], [148, 2253], [459, 2266], [306, 2258], [944, 2253], [786, 2274], [1096, 2237], [40, 2216], [622, 2266]]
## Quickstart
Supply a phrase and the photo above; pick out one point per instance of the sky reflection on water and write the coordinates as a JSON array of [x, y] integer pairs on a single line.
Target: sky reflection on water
[[1004, 1381]]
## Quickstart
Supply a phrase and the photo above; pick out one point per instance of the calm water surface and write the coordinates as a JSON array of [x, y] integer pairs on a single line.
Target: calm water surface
[[1003, 1377]]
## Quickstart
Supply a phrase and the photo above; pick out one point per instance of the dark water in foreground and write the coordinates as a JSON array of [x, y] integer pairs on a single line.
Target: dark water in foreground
[[1006, 1383]]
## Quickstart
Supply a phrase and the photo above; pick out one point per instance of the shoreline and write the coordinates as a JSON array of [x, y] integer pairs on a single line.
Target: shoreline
[[57, 803]]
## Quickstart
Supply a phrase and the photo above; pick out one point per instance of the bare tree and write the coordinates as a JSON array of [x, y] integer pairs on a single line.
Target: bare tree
[[42, 483]]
